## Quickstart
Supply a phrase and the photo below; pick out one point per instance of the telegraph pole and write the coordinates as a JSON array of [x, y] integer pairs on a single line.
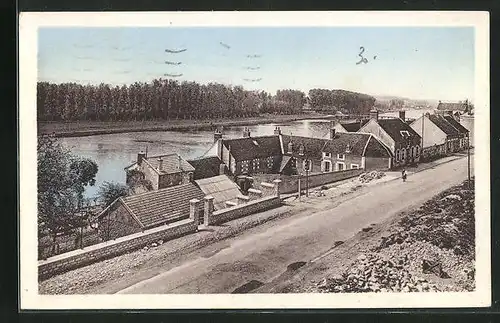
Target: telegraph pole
[[468, 160]]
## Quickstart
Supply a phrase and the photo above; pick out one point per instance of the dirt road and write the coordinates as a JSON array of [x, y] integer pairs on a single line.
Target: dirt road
[[259, 257]]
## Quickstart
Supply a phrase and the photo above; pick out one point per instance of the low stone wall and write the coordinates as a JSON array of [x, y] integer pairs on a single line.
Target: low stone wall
[[79, 258], [290, 184], [238, 211]]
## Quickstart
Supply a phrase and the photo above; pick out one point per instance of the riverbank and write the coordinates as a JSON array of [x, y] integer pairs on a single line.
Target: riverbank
[[91, 128]]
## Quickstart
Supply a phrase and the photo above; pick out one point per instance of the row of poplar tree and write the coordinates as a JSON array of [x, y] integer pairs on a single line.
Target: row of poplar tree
[[160, 99]]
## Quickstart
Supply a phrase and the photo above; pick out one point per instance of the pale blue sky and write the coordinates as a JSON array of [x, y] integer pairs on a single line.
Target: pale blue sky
[[416, 62]]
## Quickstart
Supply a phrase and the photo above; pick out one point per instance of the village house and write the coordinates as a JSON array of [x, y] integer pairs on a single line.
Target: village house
[[403, 142], [301, 154], [440, 137], [354, 150], [161, 171], [457, 108], [136, 213], [464, 132]]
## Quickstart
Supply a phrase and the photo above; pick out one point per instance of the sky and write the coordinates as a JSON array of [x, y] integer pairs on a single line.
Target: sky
[[435, 63]]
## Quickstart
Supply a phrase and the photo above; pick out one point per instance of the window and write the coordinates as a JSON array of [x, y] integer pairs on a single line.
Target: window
[[255, 164], [354, 166], [398, 155], [341, 156], [417, 151], [340, 166], [301, 150], [244, 166], [404, 133], [307, 165], [327, 155], [403, 154], [327, 166], [270, 162]]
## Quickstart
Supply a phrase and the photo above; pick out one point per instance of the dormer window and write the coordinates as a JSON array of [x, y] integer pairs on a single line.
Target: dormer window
[[327, 155], [404, 133], [340, 156]]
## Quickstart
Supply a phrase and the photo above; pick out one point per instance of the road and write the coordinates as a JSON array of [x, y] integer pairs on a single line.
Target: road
[[265, 255]]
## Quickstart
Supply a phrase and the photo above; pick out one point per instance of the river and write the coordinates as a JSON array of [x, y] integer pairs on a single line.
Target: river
[[113, 152]]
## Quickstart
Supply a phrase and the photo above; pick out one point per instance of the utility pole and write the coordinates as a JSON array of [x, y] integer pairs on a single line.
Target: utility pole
[[422, 153], [468, 160]]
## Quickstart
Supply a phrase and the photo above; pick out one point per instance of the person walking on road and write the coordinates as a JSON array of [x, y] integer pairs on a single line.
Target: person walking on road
[[403, 175]]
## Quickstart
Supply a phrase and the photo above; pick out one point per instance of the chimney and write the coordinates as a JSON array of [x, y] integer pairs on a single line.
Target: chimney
[[277, 130], [179, 164], [217, 135], [290, 148], [140, 157], [402, 115], [222, 169], [160, 164], [246, 132], [374, 115], [332, 133]]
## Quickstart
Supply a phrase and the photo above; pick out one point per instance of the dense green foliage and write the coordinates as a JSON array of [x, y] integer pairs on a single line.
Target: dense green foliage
[[160, 99], [340, 100], [62, 179], [110, 191]]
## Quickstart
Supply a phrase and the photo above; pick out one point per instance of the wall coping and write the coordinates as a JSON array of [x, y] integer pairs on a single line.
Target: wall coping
[[242, 206], [113, 242]]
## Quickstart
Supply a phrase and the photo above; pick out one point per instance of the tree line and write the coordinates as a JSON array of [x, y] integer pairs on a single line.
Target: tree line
[[163, 99], [340, 100]]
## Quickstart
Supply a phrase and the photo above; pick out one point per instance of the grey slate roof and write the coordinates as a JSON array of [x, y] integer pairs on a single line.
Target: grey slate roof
[[205, 167], [353, 126], [170, 204], [253, 147], [394, 126], [444, 125], [312, 146], [456, 124], [360, 144]]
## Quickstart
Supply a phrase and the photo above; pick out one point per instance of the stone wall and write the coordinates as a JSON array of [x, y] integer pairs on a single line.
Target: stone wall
[[79, 258], [238, 211], [290, 184]]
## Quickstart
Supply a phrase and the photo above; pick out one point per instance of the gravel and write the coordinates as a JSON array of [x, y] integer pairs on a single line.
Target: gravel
[[428, 250]]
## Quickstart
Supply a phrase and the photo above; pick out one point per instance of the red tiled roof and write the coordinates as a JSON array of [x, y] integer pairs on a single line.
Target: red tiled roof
[[170, 204]]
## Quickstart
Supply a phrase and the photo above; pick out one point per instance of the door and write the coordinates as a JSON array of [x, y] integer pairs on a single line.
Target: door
[[340, 166], [328, 166]]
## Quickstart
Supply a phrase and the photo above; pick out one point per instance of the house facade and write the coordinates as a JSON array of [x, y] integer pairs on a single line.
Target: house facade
[[353, 151], [403, 142], [440, 137], [135, 213], [161, 171]]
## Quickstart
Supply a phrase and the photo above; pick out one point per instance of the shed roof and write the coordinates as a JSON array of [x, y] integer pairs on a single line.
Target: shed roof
[[360, 144], [221, 188], [170, 204]]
